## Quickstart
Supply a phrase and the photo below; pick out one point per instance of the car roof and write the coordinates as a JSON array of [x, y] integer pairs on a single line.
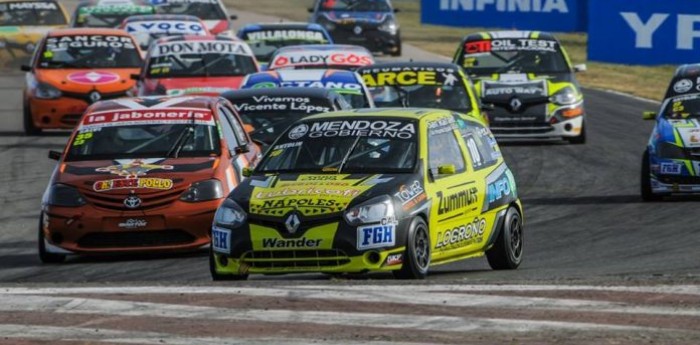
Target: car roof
[[405, 113], [87, 31], [280, 92], [282, 26], [507, 34], [159, 17], [407, 64], [155, 103]]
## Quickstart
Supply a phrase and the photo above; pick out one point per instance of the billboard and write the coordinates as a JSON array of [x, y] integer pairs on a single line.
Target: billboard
[[545, 15], [644, 32]]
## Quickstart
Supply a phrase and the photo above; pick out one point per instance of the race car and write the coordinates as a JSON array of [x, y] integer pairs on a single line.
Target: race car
[[23, 23], [369, 23], [74, 68], [212, 12], [346, 83], [148, 28], [266, 113], [336, 56], [107, 13], [397, 190], [202, 65], [422, 85], [143, 175], [266, 38], [528, 78], [671, 161]]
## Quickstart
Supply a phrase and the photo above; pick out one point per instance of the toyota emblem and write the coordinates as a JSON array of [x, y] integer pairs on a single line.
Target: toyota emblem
[[515, 104], [132, 202], [292, 223], [95, 96]]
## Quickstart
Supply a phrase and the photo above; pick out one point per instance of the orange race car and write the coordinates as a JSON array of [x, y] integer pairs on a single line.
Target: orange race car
[[143, 174], [74, 68]]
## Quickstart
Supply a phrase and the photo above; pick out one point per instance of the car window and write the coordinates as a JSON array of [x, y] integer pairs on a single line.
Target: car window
[[238, 130], [443, 149], [482, 146], [229, 135]]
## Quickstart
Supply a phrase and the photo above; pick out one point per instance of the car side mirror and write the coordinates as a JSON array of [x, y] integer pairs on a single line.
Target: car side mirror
[[242, 149], [487, 107], [233, 17], [447, 169], [649, 115], [135, 77], [397, 10], [580, 68], [25, 68], [55, 155], [247, 172]]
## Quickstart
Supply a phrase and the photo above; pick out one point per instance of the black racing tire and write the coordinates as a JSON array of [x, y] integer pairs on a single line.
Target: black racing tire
[[580, 139], [417, 255], [29, 128], [507, 252], [645, 181], [222, 277], [44, 256]]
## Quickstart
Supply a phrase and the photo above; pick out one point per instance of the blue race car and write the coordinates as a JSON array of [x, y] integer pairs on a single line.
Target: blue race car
[[264, 39], [347, 84], [671, 163], [368, 23]]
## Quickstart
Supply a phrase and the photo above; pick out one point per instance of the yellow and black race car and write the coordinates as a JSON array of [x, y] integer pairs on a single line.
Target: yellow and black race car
[[23, 23], [396, 190], [530, 80]]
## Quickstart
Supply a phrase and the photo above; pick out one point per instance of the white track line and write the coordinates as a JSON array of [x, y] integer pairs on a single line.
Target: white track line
[[67, 305]]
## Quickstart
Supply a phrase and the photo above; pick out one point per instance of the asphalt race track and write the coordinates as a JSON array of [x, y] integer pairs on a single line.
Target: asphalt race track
[[585, 222]]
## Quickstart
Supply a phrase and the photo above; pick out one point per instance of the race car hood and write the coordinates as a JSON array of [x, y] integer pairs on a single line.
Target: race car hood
[[356, 17], [274, 196], [144, 176], [684, 133], [87, 80], [205, 86]]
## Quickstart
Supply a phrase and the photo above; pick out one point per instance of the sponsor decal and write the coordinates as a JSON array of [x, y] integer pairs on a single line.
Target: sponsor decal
[[343, 59], [195, 90], [169, 26], [200, 47], [304, 202], [410, 76], [670, 168], [411, 195], [296, 104], [145, 116], [132, 168], [221, 240], [291, 243], [442, 125], [376, 236], [683, 86], [133, 183], [89, 41], [284, 35], [393, 259], [462, 235], [115, 9], [363, 128], [133, 224], [500, 188], [291, 191], [298, 132], [457, 201], [34, 5], [93, 78], [340, 87], [493, 89], [516, 44]]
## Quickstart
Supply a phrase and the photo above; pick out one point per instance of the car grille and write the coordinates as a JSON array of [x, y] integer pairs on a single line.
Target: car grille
[[295, 259], [86, 96], [522, 128], [135, 239], [148, 201], [71, 119]]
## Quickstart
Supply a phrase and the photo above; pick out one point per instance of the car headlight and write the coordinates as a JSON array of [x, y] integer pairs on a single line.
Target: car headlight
[[565, 96], [203, 191], [229, 215], [372, 211], [670, 151], [390, 26], [46, 91], [65, 196]]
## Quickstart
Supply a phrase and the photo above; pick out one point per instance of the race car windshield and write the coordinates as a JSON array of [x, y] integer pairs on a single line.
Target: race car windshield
[[89, 52], [423, 96], [31, 13], [205, 10], [355, 5], [200, 65], [683, 108], [143, 141], [265, 43], [108, 16], [145, 38], [344, 146], [513, 56]]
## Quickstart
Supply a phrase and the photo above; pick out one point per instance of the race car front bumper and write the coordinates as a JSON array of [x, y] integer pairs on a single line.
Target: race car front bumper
[[547, 131], [666, 185], [61, 113]]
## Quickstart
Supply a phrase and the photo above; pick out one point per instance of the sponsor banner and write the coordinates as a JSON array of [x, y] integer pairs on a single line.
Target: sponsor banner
[[350, 59], [177, 2], [284, 35], [167, 26], [547, 15], [463, 235], [510, 44], [376, 236], [114, 9], [89, 41], [300, 243], [221, 240], [409, 76], [274, 104], [28, 5], [140, 117], [501, 88], [133, 183], [340, 87], [644, 32], [364, 128], [200, 47]]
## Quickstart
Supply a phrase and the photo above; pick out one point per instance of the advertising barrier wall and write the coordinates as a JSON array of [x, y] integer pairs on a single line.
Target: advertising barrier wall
[[545, 15], [644, 32]]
